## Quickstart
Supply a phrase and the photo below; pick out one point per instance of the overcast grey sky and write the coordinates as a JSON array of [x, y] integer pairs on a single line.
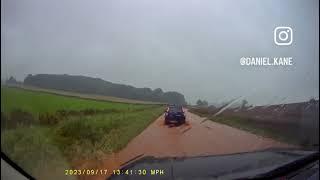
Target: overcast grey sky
[[192, 47]]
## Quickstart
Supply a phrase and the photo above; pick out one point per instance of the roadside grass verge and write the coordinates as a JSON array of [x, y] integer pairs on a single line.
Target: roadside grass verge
[[33, 150], [81, 137], [46, 134], [264, 129], [283, 132]]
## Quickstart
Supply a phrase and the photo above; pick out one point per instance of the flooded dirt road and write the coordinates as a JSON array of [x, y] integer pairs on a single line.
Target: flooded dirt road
[[192, 139]]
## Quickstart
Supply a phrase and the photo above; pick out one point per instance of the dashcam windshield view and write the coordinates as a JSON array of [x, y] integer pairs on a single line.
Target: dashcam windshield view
[[146, 89]]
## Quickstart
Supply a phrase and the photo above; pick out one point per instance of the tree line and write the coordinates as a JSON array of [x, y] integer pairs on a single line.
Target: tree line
[[89, 85]]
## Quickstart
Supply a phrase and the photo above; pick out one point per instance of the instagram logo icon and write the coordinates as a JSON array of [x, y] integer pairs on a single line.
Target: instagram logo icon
[[283, 36]]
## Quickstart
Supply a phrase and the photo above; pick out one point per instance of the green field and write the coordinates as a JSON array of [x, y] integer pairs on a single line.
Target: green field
[[46, 133], [262, 128], [38, 102]]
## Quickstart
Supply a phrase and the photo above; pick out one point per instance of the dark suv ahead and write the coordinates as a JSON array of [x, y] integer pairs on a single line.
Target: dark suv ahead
[[174, 114]]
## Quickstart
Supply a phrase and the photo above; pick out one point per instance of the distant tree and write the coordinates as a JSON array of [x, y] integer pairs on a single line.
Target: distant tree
[[11, 80], [202, 102], [250, 106], [199, 102], [174, 98], [244, 103], [312, 101], [158, 91]]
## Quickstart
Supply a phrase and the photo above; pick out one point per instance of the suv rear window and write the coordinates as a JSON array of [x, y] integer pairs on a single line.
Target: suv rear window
[[175, 109]]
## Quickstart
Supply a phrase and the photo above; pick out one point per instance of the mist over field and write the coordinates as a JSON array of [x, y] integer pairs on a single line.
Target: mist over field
[[192, 47]]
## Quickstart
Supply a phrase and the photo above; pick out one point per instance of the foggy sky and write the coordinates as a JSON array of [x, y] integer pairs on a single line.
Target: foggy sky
[[192, 47]]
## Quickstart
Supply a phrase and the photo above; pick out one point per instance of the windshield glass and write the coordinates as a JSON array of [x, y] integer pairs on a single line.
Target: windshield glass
[[86, 86]]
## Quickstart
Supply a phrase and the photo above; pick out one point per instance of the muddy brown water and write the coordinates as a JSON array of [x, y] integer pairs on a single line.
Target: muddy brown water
[[195, 138]]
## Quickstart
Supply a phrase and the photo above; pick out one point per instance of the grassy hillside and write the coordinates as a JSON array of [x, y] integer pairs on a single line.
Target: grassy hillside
[[46, 133], [36, 102], [89, 85], [82, 95]]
